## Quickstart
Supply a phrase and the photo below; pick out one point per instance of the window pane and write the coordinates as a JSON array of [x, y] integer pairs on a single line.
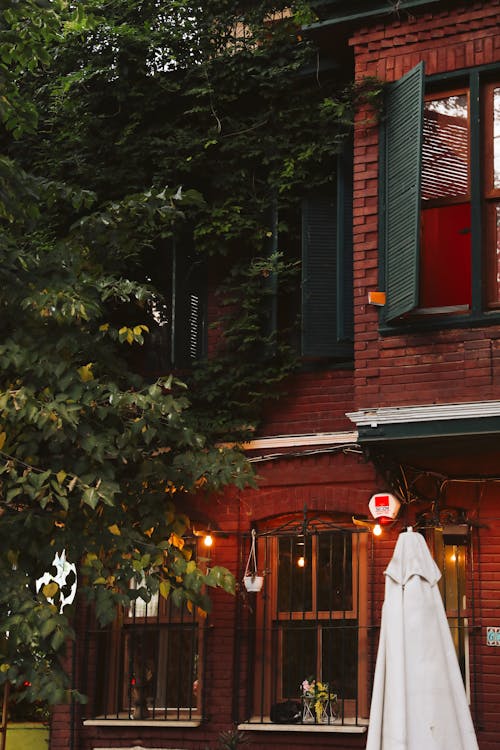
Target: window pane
[[445, 261], [496, 137], [445, 258], [445, 157], [452, 561], [339, 657], [492, 280], [334, 572], [160, 666], [299, 656], [295, 574]]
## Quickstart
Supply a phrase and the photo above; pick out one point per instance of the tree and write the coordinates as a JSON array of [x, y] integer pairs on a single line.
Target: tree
[[127, 126], [93, 454]]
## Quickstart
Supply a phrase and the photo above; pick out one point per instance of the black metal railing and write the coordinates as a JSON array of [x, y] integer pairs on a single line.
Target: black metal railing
[[304, 642], [147, 666]]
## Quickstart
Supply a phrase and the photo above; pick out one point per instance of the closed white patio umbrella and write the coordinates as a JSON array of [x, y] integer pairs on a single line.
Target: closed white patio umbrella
[[419, 700]]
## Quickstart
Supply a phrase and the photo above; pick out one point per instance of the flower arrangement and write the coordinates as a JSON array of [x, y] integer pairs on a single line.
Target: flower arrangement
[[319, 695]]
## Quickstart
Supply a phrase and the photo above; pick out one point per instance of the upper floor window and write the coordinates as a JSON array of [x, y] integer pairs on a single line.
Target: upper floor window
[[176, 314], [319, 237], [441, 197]]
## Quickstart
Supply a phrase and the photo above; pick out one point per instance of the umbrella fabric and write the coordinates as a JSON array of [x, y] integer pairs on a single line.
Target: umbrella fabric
[[418, 701]]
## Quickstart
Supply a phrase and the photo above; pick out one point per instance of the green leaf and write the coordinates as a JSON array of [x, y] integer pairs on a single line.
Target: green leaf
[[90, 497]]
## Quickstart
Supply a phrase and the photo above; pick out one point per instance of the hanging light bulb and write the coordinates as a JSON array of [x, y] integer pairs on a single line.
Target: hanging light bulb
[[208, 540], [377, 530], [301, 562]]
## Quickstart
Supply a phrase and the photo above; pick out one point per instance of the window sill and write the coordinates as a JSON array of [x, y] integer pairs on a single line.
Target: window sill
[[348, 727], [413, 324], [160, 723]]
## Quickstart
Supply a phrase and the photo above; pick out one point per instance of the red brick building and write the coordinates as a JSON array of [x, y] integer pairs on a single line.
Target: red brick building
[[415, 411]]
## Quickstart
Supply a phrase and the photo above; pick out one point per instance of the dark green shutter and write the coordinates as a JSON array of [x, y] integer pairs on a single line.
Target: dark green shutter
[[345, 296], [326, 278], [319, 276], [403, 157]]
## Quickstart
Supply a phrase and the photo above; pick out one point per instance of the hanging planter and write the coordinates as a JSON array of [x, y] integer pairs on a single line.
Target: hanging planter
[[251, 580]]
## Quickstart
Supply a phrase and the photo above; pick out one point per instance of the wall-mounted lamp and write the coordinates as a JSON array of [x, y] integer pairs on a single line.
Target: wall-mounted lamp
[[373, 526], [455, 533], [384, 507]]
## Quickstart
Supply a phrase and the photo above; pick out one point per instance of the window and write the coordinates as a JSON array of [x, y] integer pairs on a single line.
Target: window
[[319, 237], [177, 321], [148, 665], [445, 278], [452, 555], [311, 620], [441, 196], [492, 189], [175, 316]]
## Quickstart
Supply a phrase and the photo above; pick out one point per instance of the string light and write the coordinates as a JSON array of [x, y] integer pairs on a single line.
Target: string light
[[301, 562], [377, 530], [208, 540]]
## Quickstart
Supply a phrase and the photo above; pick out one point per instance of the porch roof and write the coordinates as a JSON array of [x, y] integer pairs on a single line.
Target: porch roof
[[333, 12], [462, 438]]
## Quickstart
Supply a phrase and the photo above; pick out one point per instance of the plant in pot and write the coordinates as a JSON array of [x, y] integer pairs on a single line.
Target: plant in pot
[[251, 579]]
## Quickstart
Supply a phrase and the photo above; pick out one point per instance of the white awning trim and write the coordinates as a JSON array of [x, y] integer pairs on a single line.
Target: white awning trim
[[425, 413], [297, 441]]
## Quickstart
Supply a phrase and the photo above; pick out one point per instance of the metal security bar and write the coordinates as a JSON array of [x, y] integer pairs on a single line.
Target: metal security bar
[[303, 649], [148, 665]]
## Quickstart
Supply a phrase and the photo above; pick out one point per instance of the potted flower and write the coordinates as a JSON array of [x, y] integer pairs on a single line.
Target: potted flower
[[318, 701]]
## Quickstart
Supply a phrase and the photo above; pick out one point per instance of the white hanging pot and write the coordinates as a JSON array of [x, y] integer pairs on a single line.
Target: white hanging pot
[[251, 580], [253, 583]]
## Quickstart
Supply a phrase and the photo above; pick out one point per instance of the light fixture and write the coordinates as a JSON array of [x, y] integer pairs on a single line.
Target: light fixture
[[455, 533], [368, 524], [384, 507], [208, 534], [301, 562]]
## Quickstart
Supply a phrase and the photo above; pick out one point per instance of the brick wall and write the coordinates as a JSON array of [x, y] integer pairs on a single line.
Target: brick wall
[[312, 402], [431, 367]]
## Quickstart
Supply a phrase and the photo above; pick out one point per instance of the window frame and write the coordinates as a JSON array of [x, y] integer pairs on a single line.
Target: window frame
[[443, 204], [122, 695], [394, 318], [181, 280], [268, 674], [491, 193], [456, 586]]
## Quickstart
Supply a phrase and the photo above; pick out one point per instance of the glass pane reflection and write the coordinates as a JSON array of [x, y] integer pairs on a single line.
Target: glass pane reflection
[[445, 155]]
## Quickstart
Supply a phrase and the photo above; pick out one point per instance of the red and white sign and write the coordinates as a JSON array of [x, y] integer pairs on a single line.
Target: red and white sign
[[383, 505]]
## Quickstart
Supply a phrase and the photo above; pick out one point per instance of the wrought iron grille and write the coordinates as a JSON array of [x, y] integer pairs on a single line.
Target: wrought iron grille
[[303, 649], [148, 665]]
